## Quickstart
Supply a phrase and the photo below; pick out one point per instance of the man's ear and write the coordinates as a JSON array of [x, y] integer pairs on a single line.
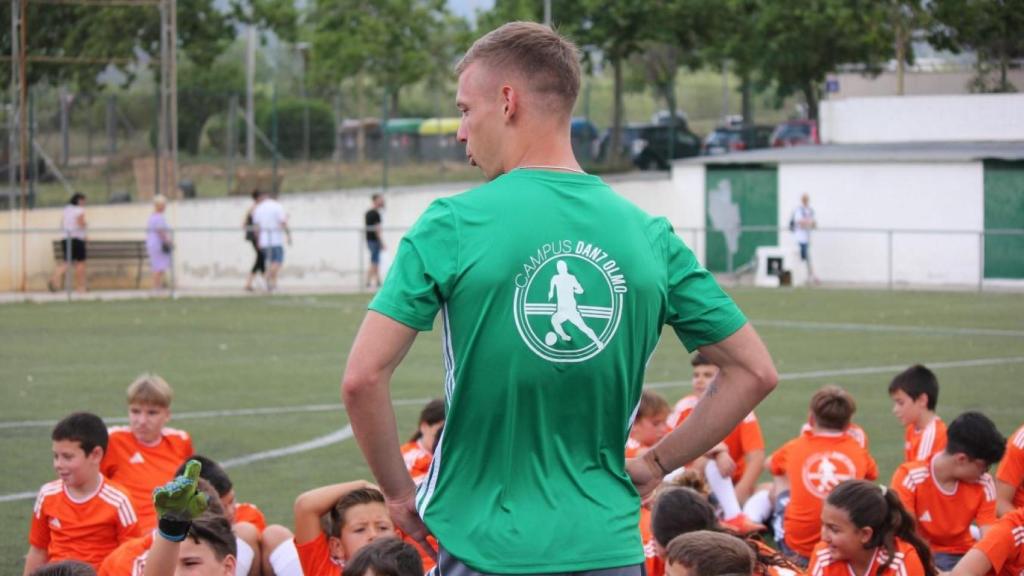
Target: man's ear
[[510, 102]]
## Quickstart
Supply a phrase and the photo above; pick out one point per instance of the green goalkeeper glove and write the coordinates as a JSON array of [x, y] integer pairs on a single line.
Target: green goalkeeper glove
[[178, 502]]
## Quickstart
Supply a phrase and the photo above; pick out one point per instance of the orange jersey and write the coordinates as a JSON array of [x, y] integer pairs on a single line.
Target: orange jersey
[[246, 512], [417, 460], [921, 445], [1003, 545], [1011, 468], [853, 431], [743, 439], [88, 529], [655, 565], [141, 469], [635, 448], [815, 464], [128, 559], [905, 563], [315, 557], [944, 519]]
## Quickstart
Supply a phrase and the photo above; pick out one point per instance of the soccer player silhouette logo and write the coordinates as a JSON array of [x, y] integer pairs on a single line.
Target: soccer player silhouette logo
[[564, 286], [823, 472]]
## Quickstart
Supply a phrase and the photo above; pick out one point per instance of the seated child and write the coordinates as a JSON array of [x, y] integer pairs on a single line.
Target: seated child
[[386, 557], [952, 489], [707, 553], [810, 466], [914, 393], [866, 531], [1010, 475], [82, 515], [419, 450], [65, 568], [236, 512], [649, 424], [145, 454], [1000, 551]]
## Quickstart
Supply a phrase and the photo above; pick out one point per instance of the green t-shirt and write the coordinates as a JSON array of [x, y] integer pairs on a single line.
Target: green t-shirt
[[553, 291]]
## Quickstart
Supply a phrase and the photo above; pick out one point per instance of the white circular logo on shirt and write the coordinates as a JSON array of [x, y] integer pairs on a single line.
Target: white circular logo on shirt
[[825, 470], [568, 301]]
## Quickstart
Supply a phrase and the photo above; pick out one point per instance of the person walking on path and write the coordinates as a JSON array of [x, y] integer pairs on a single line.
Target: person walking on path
[[271, 223], [374, 240], [74, 226], [158, 242], [529, 474], [259, 266]]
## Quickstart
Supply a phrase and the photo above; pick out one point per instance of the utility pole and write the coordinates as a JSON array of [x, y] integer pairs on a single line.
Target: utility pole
[[547, 13], [250, 106]]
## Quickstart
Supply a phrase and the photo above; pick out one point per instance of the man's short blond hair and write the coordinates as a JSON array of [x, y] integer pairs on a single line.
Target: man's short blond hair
[[150, 389], [547, 61]]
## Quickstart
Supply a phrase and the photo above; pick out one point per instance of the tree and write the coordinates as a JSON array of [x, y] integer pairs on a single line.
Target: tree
[[801, 41], [994, 29]]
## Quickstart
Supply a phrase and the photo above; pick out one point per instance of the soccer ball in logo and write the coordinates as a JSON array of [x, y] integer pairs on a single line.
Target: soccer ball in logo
[[568, 311]]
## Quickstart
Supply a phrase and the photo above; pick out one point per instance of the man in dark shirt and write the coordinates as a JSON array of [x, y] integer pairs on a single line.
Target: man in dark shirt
[[374, 240]]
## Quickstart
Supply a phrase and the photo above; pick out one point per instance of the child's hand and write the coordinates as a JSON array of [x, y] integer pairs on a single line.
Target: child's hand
[[178, 500]]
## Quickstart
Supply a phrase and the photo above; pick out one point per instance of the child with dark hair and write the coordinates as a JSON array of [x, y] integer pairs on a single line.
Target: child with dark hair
[[866, 531], [999, 553], [82, 515], [808, 467], [952, 490], [386, 557], [649, 425], [65, 568], [914, 393], [418, 452], [1010, 475], [708, 553]]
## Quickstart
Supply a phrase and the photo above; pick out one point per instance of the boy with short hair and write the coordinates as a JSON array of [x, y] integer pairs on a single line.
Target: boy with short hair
[[914, 393], [1010, 475], [952, 489], [811, 465], [82, 515], [386, 557], [649, 425], [145, 454], [708, 553]]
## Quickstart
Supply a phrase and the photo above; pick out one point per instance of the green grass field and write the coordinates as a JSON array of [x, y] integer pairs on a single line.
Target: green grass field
[[289, 352]]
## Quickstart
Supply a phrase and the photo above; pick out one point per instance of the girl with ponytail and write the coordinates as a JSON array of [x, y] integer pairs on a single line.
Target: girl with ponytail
[[865, 531]]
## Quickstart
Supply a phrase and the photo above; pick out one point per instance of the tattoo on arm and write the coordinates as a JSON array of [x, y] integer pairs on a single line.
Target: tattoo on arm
[[712, 388]]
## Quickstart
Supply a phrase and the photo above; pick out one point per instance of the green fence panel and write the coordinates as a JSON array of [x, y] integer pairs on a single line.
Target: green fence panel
[[737, 196], [1004, 209]]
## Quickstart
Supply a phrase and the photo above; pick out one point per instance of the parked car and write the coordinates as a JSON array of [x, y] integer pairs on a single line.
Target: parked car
[[795, 133], [647, 145], [736, 139]]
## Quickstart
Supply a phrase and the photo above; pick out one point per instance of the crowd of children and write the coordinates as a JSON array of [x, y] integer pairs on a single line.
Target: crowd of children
[[136, 500]]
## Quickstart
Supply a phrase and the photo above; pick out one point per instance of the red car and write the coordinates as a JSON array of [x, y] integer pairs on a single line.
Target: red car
[[795, 133]]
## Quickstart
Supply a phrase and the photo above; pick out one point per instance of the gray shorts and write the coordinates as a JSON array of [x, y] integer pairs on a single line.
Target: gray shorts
[[448, 565]]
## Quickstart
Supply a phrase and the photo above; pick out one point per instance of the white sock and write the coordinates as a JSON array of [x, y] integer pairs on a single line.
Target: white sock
[[243, 557], [758, 507], [723, 490], [285, 560]]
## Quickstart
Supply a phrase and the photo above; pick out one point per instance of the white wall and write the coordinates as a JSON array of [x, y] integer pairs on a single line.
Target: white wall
[[688, 196], [975, 117], [913, 198]]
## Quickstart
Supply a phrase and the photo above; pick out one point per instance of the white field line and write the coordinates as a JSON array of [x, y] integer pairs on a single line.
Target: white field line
[[346, 432], [924, 330]]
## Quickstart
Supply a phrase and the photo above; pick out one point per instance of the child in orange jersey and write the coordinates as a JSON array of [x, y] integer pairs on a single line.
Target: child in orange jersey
[[865, 531], [649, 424], [1000, 552], [82, 515], [952, 490], [419, 450], [1010, 475], [914, 393], [708, 553], [808, 467], [357, 516], [144, 455]]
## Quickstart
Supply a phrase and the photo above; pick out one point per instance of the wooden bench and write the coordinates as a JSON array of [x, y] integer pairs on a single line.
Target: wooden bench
[[110, 251]]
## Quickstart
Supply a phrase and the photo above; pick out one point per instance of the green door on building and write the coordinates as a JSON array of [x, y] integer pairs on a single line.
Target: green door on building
[[739, 196], [1004, 211]]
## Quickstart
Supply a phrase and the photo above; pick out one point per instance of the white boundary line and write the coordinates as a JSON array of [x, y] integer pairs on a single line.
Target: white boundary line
[[346, 432], [851, 327]]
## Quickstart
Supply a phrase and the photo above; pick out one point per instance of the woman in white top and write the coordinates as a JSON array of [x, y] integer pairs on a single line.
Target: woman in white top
[[74, 226]]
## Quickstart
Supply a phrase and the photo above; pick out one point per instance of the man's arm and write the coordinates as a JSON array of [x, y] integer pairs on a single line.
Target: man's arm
[[746, 375], [35, 558], [379, 347], [1004, 497]]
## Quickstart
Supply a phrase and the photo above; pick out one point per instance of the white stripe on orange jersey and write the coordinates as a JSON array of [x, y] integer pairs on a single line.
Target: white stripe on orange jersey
[[990, 487], [48, 489], [1018, 438], [924, 450], [119, 500]]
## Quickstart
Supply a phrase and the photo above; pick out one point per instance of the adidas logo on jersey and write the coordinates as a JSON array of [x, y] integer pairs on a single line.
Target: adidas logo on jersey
[[55, 523], [137, 458], [926, 517]]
